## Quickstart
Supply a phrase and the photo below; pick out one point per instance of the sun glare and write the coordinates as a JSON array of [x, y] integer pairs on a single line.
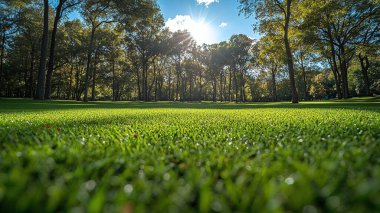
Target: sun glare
[[202, 32]]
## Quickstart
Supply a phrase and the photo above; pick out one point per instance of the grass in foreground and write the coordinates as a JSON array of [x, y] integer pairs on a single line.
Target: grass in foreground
[[185, 157]]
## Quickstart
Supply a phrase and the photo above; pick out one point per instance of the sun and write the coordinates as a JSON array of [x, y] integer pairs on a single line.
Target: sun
[[202, 32]]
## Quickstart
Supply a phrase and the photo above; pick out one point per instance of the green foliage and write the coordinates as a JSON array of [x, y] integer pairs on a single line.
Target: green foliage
[[185, 157]]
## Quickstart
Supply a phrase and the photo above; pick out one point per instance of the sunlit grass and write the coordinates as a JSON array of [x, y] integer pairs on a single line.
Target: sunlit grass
[[181, 157]]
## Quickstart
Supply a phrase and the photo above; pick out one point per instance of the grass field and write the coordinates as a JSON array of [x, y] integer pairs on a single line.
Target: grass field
[[189, 157]]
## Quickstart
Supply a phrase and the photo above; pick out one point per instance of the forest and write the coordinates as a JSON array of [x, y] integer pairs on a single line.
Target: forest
[[89, 50]]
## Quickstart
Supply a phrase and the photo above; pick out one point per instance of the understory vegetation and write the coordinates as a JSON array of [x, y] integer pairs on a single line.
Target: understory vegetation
[[184, 157]]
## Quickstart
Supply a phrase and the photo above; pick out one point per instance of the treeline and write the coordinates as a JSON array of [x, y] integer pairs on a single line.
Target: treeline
[[121, 50]]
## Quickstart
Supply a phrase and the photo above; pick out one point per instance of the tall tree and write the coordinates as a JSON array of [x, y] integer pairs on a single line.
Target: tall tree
[[62, 7], [144, 36], [241, 56], [40, 93], [338, 25], [272, 13], [96, 14], [271, 59], [180, 42]]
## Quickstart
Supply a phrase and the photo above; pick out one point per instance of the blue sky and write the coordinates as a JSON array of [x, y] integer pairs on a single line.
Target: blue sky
[[210, 21]]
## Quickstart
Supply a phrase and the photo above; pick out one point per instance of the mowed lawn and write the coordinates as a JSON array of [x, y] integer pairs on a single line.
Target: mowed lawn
[[189, 157]]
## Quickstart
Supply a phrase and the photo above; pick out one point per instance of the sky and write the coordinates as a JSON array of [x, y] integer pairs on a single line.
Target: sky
[[209, 21]]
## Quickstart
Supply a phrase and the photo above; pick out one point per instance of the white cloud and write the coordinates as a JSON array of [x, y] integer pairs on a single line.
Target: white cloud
[[180, 22], [223, 25], [206, 2], [201, 31]]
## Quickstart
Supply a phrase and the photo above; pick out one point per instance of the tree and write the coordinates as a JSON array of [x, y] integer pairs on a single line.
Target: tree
[[271, 59], [180, 43], [40, 93], [241, 58], [338, 25], [272, 13], [62, 7], [144, 36], [96, 13]]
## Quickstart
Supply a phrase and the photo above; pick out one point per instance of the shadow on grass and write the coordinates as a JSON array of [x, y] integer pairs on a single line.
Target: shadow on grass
[[27, 105]]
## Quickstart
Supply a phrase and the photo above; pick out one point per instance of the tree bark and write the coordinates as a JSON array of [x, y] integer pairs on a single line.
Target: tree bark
[[230, 85], [2, 61], [93, 91], [170, 85], [364, 64], [236, 85], [334, 65], [214, 88], [89, 56], [71, 81], [113, 81], [40, 93], [31, 72], [138, 85], [144, 77], [274, 89], [50, 66], [289, 54], [305, 95], [77, 84], [221, 87], [344, 71]]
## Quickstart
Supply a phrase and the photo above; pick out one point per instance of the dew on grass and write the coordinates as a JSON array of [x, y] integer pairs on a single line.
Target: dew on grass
[[166, 176], [289, 181], [128, 188], [90, 185]]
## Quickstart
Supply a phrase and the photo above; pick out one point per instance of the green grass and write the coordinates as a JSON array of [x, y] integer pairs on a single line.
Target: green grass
[[189, 157]]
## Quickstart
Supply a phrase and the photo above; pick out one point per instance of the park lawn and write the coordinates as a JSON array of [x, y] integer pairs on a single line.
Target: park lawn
[[189, 157]]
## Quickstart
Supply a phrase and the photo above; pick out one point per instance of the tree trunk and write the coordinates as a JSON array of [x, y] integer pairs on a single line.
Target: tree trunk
[[221, 87], [26, 80], [138, 85], [50, 66], [214, 88], [200, 84], [305, 95], [113, 81], [242, 87], [156, 85], [144, 61], [93, 92], [170, 85], [30, 79], [71, 81], [344, 71], [40, 93], [289, 55], [334, 65], [184, 89], [191, 87], [230, 85], [89, 55], [153, 84], [236, 85], [364, 64], [77, 84], [274, 89], [2, 62]]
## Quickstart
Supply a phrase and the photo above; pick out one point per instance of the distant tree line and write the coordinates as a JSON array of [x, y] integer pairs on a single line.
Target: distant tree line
[[121, 50]]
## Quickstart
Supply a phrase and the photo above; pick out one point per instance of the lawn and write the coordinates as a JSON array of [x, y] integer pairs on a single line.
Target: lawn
[[189, 157]]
